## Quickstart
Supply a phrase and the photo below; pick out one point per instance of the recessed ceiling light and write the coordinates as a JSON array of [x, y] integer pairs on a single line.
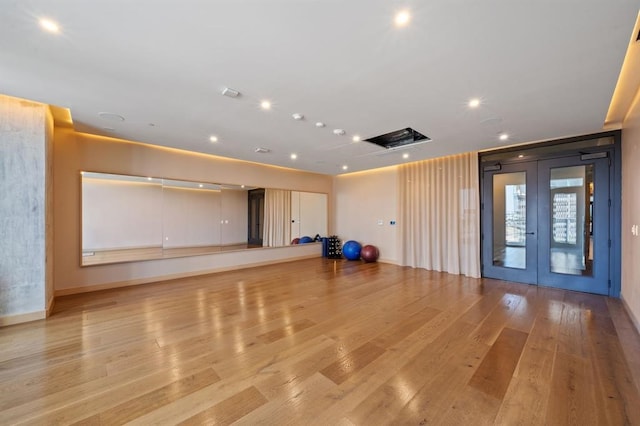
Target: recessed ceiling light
[[213, 138], [320, 124], [405, 155], [265, 105], [345, 167], [504, 137], [521, 156], [297, 116], [110, 116], [241, 186], [338, 132], [261, 150], [149, 178], [294, 156], [474, 103], [49, 25], [356, 138], [402, 18], [200, 186]]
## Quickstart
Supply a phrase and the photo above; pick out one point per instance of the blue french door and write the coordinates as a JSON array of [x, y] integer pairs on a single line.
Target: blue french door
[[510, 223], [547, 222]]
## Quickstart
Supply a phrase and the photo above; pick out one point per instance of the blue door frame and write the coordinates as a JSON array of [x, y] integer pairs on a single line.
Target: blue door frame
[[537, 241]]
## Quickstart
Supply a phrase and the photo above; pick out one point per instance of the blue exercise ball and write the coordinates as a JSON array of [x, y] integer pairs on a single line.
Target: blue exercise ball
[[351, 250], [305, 240]]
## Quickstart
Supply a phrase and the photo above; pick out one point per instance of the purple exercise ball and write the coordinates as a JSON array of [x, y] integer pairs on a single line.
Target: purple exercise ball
[[369, 253]]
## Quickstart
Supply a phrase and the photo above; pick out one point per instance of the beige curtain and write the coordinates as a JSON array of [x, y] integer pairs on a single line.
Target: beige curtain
[[440, 214], [277, 218]]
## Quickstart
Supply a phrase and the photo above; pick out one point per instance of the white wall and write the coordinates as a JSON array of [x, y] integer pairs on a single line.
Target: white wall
[[363, 199], [120, 214], [631, 211]]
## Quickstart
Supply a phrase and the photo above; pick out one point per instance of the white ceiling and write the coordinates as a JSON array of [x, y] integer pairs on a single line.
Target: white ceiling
[[543, 69]]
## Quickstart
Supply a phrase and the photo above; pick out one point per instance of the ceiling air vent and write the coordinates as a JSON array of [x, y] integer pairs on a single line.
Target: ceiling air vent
[[399, 138]]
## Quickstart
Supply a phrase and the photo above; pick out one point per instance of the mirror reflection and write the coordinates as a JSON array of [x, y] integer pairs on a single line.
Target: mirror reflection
[[130, 218]]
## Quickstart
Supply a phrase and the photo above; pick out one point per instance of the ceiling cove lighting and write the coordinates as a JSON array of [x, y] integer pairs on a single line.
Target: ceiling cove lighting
[[266, 105], [402, 18], [49, 25], [474, 103]]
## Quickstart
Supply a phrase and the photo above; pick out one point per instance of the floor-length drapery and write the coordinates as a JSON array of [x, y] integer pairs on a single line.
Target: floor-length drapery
[[440, 214], [277, 218]]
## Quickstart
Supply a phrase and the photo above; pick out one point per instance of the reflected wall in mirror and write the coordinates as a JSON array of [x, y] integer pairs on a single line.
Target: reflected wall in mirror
[[309, 214], [131, 218], [191, 213], [292, 214], [121, 218]]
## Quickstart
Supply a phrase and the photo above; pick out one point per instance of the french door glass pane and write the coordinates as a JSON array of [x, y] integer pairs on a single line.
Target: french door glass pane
[[571, 191], [510, 220]]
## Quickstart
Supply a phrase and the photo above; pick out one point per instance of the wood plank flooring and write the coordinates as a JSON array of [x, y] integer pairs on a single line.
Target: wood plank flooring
[[318, 342]]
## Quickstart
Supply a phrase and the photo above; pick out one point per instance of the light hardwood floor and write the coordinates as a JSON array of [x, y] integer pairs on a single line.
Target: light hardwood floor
[[318, 342]]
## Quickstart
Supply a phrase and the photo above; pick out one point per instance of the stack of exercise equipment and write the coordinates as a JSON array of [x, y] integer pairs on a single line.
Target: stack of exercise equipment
[[334, 250]]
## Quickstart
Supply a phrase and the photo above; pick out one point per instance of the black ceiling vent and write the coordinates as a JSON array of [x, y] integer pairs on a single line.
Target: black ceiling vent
[[399, 138]]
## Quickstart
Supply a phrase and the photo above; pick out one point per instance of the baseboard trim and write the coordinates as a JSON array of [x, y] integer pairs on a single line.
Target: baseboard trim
[[21, 318], [140, 281], [390, 262], [634, 320], [50, 306]]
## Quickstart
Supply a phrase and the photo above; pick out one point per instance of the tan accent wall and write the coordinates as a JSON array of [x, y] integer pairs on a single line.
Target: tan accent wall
[[74, 152], [363, 199], [631, 211]]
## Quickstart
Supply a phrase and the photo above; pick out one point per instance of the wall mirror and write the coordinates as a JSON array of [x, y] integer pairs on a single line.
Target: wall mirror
[[131, 218]]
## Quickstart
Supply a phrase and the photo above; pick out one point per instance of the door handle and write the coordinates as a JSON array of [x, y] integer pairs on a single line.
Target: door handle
[[530, 233]]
